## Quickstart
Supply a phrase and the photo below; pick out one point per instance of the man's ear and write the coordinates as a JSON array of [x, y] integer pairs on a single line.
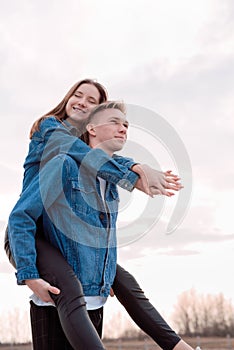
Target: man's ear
[[91, 129]]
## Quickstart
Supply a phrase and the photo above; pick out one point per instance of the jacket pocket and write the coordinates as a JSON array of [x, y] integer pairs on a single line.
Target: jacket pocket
[[84, 198]]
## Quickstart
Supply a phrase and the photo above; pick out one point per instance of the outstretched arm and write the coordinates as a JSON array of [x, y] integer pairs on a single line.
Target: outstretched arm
[[119, 170], [59, 140]]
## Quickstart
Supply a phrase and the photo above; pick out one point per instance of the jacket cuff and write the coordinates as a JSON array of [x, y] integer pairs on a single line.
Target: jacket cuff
[[22, 276], [128, 181]]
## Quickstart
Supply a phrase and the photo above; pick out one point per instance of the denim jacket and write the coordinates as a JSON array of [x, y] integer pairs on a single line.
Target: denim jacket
[[75, 220], [55, 138]]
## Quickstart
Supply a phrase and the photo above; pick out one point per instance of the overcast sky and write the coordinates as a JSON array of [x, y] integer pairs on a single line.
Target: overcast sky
[[175, 58]]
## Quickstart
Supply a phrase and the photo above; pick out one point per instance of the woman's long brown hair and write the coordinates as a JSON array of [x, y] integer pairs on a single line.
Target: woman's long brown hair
[[59, 112]]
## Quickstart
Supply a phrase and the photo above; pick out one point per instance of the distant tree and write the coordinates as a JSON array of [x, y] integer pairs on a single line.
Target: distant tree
[[130, 333], [185, 313], [206, 315], [142, 335], [118, 325]]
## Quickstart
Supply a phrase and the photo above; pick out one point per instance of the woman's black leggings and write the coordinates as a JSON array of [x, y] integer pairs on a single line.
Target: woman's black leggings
[[71, 307]]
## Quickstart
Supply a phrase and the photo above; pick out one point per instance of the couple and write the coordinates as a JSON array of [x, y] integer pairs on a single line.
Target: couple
[[69, 196]]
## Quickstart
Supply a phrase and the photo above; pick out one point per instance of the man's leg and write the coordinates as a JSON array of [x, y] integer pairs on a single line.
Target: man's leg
[[96, 316], [47, 333]]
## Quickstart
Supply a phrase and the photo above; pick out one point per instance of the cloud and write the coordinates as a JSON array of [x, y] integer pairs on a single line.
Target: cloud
[[186, 76], [178, 252], [219, 30], [186, 240], [196, 98], [50, 58]]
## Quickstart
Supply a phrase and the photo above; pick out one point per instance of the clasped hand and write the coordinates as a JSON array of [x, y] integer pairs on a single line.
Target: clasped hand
[[154, 182]]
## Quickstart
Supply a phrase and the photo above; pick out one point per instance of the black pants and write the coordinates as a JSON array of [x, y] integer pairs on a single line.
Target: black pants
[[74, 318], [47, 331]]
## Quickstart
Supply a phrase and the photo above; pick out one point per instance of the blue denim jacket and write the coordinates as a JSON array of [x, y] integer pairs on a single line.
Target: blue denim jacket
[[75, 220], [55, 138]]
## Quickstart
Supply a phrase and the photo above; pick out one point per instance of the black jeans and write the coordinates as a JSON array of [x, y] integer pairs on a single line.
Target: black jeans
[[47, 330]]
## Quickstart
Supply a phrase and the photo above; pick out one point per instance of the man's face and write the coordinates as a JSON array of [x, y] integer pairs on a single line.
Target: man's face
[[110, 129]]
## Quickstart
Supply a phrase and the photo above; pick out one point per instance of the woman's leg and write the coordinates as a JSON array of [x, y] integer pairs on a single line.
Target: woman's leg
[[70, 303], [131, 296]]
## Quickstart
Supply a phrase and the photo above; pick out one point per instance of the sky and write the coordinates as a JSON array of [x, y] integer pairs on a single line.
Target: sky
[[171, 59]]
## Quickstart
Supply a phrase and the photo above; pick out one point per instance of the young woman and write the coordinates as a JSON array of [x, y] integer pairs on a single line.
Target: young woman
[[52, 135]]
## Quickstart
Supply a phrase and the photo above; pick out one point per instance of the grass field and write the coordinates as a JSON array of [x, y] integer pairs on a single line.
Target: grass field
[[213, 343]]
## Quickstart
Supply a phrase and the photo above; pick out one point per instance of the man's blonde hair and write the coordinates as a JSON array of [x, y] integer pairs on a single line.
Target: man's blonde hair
[[107, 105], [103, 106]]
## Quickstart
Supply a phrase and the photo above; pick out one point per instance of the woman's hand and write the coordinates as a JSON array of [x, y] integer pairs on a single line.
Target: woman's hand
[[42, 288], [154, 182]]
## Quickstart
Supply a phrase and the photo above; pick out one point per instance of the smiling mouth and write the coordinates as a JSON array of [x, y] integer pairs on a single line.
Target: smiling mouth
[[76, 109], [120, 138]]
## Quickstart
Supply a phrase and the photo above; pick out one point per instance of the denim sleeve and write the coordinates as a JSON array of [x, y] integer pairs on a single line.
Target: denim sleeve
[[59, 140], [128, 162], [39, 195]]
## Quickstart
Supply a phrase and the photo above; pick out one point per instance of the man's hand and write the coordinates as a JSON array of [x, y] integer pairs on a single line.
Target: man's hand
[[42, 288], [112, 293], [154, 182]]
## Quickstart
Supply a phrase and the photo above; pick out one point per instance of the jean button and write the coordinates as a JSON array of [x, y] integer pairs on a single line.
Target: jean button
[[101, 216]]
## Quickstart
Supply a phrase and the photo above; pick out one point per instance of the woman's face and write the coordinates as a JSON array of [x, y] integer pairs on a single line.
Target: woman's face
[[85, 98]]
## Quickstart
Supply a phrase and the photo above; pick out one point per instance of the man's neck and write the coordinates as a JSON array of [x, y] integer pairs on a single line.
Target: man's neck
[[92, 145]]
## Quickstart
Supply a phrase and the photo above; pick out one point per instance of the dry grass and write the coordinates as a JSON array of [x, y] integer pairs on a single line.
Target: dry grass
[[16, 347], [213, 343]]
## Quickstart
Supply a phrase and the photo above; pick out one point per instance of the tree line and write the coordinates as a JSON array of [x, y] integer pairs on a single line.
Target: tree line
[[194, 315], [204, 315]]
